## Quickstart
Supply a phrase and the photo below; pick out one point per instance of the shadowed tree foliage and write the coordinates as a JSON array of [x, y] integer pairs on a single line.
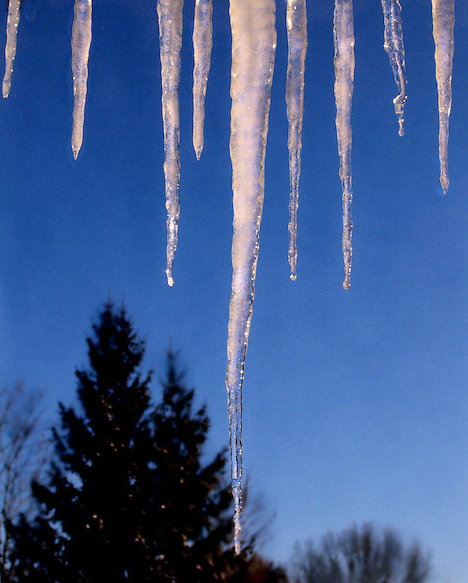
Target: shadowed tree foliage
[[128, 497], [361, 555], [23, 451]]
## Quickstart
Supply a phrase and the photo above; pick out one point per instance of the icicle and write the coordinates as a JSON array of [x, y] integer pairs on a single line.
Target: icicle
[[443, 16], [343, 30], [253, 53], [296, 20], [81, 41], [395, 48], [202, 43], [10, 48], [170, 43]]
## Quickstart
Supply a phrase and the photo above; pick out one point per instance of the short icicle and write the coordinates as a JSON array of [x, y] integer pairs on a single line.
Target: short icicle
[[170, 43], [253, 54], [393, 44], [296, 21], [81, 41], [202, 44], [343, 31], [10, 47], [443, 17]]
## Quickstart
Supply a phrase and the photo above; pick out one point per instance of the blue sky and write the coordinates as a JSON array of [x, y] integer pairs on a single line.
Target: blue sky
[[355, 403]]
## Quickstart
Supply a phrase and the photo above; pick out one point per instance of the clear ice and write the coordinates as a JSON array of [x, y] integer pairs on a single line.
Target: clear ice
[[202, 44], [170, 44], [10, 47], [296, 22], [253, 54], [343, 31], [443, 17], [393, 44], [81, 41]]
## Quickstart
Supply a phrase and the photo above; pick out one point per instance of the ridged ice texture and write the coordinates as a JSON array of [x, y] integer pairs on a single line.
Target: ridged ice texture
[[253, 54], [202, 44], [343, 31], [443, 18], [393, 44], [10, 47], [170, 43], [81, 41], [296, 21]]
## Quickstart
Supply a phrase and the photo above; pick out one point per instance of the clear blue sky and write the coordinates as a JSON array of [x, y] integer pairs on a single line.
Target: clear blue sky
[[355, 403]]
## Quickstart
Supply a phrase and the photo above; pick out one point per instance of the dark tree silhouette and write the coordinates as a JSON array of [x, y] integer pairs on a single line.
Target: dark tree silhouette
[[23, 450], [361, 555], [128, 497]]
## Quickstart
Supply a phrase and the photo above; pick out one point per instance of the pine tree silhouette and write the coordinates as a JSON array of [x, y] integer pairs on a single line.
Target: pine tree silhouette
[[128, 498]]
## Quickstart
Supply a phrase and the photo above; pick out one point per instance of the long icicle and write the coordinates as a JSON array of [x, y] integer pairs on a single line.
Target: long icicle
[[253, 54], [81, 41], [202, 44], [10, 47], [296, 22], [443, 17], [343, 31], [170, 43], [393, 44]]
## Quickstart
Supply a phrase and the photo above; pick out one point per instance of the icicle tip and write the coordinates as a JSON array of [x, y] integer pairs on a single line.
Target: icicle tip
[[444, 182], [170, 279], [401, 129]]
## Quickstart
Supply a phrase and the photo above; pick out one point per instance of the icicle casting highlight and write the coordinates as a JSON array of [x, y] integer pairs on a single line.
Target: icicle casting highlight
[[10, 48], [81, 41], [443, 17], [343, 32], [393, 44], [253, 53], [296, 22]]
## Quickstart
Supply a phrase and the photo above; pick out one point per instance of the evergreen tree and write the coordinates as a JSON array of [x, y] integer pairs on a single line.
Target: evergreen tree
[[128, 498], [195, 510]]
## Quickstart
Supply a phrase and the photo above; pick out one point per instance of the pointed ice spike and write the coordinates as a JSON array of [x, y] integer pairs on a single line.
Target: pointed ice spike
[[296, 21], [10, 47], [81, 41], [170, 43], [395, 48], [253, 53], [202, 44], [443, 17], [343, 31]]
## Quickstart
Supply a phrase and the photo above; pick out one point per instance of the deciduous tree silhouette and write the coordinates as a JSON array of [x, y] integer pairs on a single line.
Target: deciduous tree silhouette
[[361, 555], [22, 450]]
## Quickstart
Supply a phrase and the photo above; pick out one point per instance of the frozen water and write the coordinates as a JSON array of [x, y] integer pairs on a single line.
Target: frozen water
[[81, 41], [343, 30], [202, 44], [10, 47], [253, 54], [395, 48], [443, 17], [296, 21], [170, 43]]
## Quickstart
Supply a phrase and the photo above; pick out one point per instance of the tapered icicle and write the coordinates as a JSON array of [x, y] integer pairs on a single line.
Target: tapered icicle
[[202, 44], [395, 48], [343, 31], [170, 43], [253, 53], [296, 21], [81, 41], [10, 47], [443, 18]]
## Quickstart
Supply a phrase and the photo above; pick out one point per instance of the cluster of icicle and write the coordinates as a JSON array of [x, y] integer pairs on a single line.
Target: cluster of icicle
[[253, 55]]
